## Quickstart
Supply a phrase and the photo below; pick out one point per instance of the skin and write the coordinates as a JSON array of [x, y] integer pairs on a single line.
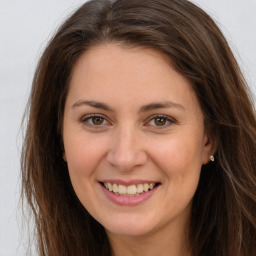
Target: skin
[[128, 142]]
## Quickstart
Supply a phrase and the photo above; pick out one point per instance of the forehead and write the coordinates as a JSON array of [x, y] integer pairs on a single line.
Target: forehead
[[121, 74]]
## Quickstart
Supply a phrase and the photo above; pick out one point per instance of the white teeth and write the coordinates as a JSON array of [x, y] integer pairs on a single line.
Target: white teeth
[[151, 186], [146, 187], [109, 186], [131, 190], [115, 188], [140, 188], [122, 189]]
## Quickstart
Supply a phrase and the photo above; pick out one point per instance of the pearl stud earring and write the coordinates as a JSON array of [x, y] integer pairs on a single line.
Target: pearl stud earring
[[212, 158]]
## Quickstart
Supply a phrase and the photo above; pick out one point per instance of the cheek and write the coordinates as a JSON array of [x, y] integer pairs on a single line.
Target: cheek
[[180, 162], [179, 157], [82, 155]]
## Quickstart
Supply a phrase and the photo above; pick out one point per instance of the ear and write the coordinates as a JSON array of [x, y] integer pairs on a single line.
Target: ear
[[210, 145]]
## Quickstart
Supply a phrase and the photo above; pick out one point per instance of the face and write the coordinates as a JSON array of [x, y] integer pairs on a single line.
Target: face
[[134, 140]]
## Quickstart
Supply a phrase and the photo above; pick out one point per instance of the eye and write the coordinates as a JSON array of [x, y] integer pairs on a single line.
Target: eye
[[160, 121], [95, 120]]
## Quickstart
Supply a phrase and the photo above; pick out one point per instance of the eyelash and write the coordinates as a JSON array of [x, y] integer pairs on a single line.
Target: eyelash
[[167, 119], [88, 119]]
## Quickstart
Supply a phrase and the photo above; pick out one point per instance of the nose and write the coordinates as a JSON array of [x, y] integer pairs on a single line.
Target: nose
[[126, 151]]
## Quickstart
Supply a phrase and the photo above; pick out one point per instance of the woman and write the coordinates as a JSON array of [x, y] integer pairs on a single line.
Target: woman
[[141, 136]]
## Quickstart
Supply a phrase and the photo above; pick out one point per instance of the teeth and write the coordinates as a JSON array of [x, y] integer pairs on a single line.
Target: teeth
[[146, 187], [109, 186], [115, 188], [140, 188], [122, 189], [131, 190]]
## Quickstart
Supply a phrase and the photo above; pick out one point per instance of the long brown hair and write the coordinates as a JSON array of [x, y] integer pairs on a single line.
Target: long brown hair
[[223, 219]]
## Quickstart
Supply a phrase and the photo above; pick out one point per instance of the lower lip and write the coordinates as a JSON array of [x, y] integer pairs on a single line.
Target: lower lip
[[129, 200]]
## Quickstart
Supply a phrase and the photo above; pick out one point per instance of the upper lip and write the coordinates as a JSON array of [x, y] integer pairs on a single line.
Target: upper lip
[[127, 183]]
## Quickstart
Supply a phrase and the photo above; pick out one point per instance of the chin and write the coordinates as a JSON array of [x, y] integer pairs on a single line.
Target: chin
[[129, 231], [133, 227]]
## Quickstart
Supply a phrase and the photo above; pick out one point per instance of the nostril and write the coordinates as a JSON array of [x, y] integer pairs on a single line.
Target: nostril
[[126, 160]]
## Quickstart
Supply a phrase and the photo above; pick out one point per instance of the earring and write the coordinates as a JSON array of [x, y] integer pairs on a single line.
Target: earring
[[212, 158]]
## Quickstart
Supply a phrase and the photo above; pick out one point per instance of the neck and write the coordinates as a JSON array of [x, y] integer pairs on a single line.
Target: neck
[[165, 242]]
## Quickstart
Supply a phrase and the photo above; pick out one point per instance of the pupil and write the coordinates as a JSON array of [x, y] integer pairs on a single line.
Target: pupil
[[97, 120], [160, 121]]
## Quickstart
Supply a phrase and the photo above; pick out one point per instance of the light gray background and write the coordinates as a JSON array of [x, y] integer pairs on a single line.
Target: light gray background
[[25, 27]]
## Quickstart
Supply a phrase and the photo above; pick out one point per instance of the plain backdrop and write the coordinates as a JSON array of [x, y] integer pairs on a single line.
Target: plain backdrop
[[25, 28]]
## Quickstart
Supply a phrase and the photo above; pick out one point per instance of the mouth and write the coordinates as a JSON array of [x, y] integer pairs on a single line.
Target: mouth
[[132, 190]]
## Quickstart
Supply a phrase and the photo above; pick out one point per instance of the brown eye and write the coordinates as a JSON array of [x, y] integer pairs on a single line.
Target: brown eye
[[159, 121], [97, 120]]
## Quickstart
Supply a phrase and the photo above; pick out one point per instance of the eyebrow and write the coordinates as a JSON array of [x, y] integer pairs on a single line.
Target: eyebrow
[[166, 104], [93, 104], [144, 108]]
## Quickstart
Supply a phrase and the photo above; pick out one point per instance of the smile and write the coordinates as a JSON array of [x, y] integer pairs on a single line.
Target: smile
[[129, 193], [131, 190]]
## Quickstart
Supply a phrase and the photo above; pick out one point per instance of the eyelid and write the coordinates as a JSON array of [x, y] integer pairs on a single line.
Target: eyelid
[[85, 118], [169, 119]]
